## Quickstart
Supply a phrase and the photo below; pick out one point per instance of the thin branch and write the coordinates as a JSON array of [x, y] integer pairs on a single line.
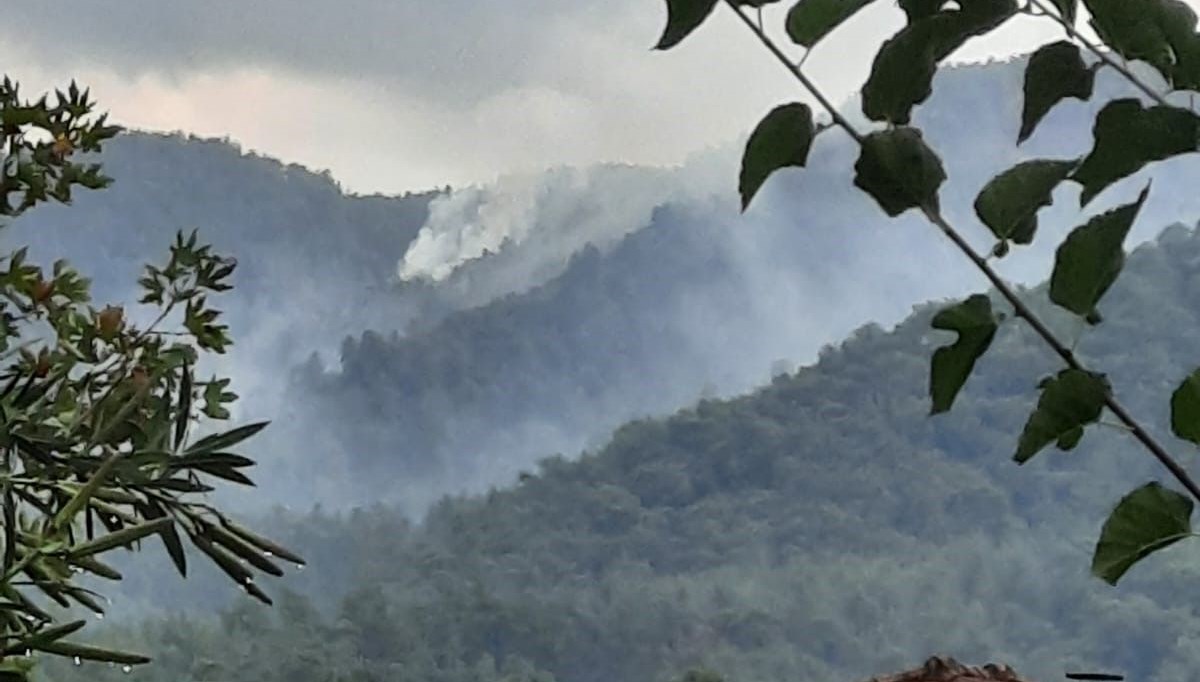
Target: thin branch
[[1021, 309], [841, 121], [1103, 55]]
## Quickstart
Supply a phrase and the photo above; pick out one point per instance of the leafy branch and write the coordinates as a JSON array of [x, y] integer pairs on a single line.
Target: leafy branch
[[899, 171]]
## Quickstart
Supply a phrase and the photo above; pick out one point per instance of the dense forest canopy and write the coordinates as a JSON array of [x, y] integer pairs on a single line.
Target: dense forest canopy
[[821, 524], [547, 344]]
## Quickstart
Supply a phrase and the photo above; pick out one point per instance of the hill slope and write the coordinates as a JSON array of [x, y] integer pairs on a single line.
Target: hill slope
[[821, 528], [698, 301]]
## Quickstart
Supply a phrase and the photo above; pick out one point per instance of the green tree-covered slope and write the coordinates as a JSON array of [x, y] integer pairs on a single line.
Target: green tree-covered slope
[[821, 528]]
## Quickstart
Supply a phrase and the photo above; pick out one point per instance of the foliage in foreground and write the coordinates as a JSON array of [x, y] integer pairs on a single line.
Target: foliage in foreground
[[818, 528], [99, 410], [901, 172]]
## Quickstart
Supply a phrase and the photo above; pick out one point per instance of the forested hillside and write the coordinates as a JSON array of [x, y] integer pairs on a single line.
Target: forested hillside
[[628, 293], [697, 302], [822, 528]]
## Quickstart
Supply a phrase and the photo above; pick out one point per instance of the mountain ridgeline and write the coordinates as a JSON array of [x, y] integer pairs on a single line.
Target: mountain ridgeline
[[536, 316], [823, 527]]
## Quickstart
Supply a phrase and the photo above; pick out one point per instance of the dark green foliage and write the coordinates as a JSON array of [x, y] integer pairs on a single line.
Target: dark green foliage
[[1090, 259], [1160, 131], [902, 73], [1185, 409], [976, 325], [1146, 520], [1160, 32], [1009, 203], [1055, 72], [1069, 401], [810, 20], [899, 170], [789, 533], [683, 17], [780, 140]]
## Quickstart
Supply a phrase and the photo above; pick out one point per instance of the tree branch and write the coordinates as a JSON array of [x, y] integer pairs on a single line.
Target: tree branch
[[1021, 309]]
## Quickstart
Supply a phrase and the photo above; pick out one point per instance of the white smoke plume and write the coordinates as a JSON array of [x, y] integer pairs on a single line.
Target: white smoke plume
[[544, 216]]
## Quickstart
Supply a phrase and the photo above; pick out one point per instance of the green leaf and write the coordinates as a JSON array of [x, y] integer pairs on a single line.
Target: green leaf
[[120, 538], [1069, 401], [262, 543], [1159, 32], [227, 439], [1185, 409], [241, 549], [902, 73], [952, 365], [683, 17], [810, 20], [91, 653], [1146, 520], [42, 637], [1090, 258], [781, 140], [1009, 203], [1056, 71], [67, 513], [184, 412], [899, 170], [1128, 137]]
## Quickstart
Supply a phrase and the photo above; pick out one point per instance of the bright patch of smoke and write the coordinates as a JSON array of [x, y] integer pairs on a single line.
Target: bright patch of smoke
[[543, 217]]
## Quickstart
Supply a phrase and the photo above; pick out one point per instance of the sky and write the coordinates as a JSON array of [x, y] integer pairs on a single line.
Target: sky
[[400, 95]]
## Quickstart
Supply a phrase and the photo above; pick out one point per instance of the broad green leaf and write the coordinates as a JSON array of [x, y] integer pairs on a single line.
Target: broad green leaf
[[1146, 520], [902, 73], [92, 653], [1159, 32], [1070, 400], [1185, 409], [976, 327], [1009, 203], [1056, 71], [810, 20], [220, 441], [782, 139], [683, 17], [919, 9], [1090, 259], [899, 170], [1128, 137], [120, 538]]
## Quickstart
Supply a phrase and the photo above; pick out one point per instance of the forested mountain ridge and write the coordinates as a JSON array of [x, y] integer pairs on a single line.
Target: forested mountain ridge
[[823, 526], [535, 349], [700, 301]]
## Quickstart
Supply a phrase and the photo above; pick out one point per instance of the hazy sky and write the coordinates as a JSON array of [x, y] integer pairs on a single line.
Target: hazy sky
[[392, 95]]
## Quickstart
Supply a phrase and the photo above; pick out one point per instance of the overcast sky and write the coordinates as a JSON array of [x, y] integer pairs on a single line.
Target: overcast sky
[[395, 95]]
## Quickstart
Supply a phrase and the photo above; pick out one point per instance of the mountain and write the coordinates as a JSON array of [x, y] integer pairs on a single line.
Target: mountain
[[823, 527], [406, 347], [566, 308]]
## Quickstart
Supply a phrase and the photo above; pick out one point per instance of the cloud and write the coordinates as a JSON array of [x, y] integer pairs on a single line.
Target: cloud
[[393, 95]]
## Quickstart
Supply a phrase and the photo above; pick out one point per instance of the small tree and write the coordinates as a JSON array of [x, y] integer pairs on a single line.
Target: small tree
[[901, 173], [97, 412]]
